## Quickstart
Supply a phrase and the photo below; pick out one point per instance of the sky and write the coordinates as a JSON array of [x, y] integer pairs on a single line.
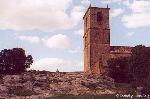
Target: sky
[[52, 30]]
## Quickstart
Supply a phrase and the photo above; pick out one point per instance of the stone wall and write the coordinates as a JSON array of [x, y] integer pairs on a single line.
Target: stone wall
[[120, 51]]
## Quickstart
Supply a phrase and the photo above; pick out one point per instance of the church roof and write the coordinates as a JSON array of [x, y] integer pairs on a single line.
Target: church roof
[[120, 49]]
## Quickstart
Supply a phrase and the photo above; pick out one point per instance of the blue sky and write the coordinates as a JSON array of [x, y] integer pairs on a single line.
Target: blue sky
[[51, 30]]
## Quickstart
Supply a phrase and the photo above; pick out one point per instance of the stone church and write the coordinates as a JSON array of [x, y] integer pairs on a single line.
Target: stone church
[[97, 48]]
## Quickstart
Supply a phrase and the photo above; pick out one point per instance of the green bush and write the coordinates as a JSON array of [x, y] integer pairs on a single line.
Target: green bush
[[140, 65], [86, 96], [14, 61], [134, 69]]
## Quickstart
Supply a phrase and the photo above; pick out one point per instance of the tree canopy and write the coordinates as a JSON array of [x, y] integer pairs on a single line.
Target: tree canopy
[[134, 69], [140, 64], [14, 61]]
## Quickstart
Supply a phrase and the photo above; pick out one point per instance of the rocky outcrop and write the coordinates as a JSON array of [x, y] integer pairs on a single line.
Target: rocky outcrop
[[38, 85]]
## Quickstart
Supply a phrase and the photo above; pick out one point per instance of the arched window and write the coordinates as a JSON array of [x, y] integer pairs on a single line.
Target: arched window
[[99, 17]]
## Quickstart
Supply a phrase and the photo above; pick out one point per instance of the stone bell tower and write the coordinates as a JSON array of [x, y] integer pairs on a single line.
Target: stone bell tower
[[96, 40]]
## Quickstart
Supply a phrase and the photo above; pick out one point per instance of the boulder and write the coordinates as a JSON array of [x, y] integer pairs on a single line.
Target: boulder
[[3, 89], [10, 79], [27, 77], [28, 85]]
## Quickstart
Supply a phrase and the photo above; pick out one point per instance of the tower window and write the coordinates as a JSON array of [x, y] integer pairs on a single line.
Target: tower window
[[99, 17]]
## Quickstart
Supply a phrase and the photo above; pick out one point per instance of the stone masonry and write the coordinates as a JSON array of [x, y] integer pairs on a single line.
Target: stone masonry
[[97, 49]]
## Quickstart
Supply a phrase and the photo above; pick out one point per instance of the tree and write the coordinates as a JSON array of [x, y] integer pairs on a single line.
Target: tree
[[14, 61], [140, 64], [136, 67]]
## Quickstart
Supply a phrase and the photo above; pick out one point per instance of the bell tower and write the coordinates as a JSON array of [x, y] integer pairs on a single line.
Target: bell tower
[[96, 40]]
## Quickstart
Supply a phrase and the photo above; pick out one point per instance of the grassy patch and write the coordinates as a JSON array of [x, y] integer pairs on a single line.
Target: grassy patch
[[125, 88], [64, 96], [87, 96]]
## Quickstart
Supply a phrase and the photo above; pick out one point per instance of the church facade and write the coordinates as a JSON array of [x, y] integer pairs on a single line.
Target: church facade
[[97, 48]]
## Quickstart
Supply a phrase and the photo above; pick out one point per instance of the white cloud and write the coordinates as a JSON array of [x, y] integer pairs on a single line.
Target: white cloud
[[136, 20], [117, 12], [79, 32], [52, 64], [120, 2], [76, 15], [75, 50], [140, 15], [130, 34], [85, 1], [111, 1], [140, 6], [44, 15], [30, 39], [57, 41]]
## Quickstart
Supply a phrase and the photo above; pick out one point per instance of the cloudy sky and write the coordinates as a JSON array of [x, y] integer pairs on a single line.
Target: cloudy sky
[[51, 30]]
